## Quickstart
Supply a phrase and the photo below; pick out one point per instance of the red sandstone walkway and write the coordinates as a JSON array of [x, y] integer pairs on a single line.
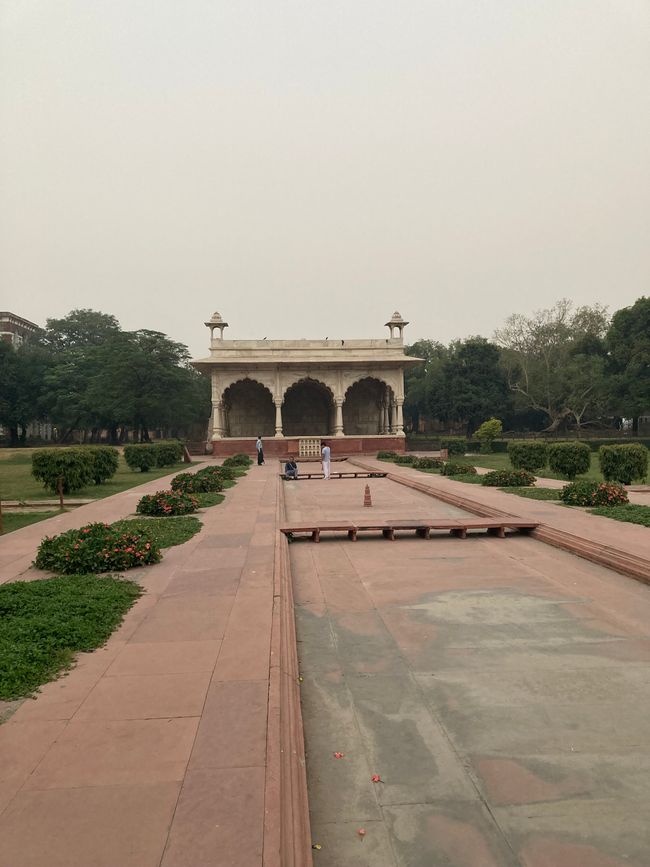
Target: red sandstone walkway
[[152, 752]]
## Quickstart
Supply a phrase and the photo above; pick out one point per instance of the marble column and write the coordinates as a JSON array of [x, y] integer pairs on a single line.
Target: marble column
[[217, 417], [400, 420], [278, 418], [338, 422]]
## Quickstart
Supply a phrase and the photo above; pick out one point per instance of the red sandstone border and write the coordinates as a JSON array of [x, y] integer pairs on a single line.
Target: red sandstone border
[[287, 833], [612, 558]]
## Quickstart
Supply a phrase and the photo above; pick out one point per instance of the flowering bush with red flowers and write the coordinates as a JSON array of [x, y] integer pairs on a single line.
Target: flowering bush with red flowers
[[591, 493], [165, 503], [96, 548], [197, 483], [508, 479]]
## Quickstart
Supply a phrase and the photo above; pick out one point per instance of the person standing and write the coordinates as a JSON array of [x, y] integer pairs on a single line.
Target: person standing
[[326, 461], [260, 450]]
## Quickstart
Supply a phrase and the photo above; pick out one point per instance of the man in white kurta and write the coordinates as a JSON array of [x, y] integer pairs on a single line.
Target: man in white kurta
[[326, 461]]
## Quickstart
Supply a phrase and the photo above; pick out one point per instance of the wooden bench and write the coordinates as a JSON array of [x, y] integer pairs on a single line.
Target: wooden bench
[[422, 527]]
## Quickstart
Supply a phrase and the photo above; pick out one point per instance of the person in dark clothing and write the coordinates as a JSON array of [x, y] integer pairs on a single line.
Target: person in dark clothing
[[260, 450], [291, 468]]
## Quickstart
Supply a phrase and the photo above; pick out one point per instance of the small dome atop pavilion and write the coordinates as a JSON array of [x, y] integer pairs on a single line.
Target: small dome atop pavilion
[[396, 322]]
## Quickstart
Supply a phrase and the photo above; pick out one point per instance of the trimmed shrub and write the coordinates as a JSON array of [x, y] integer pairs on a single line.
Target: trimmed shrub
[[454, 445], [531, 456], [428, 463], [487, 433], [96, 548], [73, 466], [386, 456], [168, 452], [508, 479], [569, 459], [140, 457], [195, 483], [224, 473], [454, 469], [166, 503], [405, 459], [591, 493], [240, 460], [105, 462], [624, 463]]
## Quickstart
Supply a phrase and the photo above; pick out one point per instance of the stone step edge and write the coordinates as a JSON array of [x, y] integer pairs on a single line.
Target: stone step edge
[[287, 832], [613, 558]]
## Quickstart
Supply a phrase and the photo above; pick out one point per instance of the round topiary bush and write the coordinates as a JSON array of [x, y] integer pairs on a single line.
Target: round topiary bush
[[624, 463], [428, 463], [105, 460], [531, 456], [197, 483], [166, 503], [405, 459], [73, 467], [168, 452], [240, 460], [569, 459], [454, 469], [140, 456], [508, 479], [591, 493], [96, 548]]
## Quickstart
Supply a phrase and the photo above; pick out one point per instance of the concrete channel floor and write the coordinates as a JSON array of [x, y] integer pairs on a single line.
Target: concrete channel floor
[[151, 752], [500, 688]]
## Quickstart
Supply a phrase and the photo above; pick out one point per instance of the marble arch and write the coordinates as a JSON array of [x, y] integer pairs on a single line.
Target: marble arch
[[306, 384]]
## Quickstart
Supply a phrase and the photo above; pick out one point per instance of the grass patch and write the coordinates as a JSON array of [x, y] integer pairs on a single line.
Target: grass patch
[[632, 513], [166, 532], [535, 493], [209, 498], [502, 462], [432, 470], [16, 520], [44, 623], [468, 478], [19, 484]]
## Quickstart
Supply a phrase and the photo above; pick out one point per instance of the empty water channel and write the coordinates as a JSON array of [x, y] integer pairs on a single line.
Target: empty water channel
[[499, 689]]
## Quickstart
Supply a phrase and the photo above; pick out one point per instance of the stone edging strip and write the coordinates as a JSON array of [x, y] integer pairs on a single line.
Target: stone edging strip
[[612, 558], [287, 833]]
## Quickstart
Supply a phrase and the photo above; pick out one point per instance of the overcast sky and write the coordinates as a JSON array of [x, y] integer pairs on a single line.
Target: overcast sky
[[307, 167]]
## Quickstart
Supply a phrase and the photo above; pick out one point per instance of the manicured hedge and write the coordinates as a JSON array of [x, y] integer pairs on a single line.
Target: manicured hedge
[[407, 460], [168, 452], [221, 472], [197, 483], [167, 503], [141, 456], [453, 469], [240, 460], [105, 462], [531, 455], [624, 463], [591, 493], [428, 463], [96, 548], [454, 445], [569, 459], [508, 479], [386, 456], [73, 466]]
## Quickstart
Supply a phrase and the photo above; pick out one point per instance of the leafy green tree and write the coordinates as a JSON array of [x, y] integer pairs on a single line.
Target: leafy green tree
[[22, 372], [550, 361], [474, 382], [79, 329], [628, 342], [418, 378]]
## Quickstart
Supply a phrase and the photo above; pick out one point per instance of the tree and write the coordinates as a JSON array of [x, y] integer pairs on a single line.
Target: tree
[[79, 329], [417, 379], [628, 342], [474, 382], [554, 361], [22, 371]]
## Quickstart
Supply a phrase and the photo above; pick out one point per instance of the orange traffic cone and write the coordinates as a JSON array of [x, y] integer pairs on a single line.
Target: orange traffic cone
[[367, 501]]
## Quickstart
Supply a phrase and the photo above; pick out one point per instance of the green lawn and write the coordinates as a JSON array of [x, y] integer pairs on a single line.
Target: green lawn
[[44, 623], [633, 513], [534, 493], [167, 532], [14, 521], [502, 462], [209, 498], [17, 482]]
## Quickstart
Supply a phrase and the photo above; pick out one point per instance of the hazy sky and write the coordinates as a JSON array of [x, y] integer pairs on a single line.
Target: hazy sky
[[307, 167]]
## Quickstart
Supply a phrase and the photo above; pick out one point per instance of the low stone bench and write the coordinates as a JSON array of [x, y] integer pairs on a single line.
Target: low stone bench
[[454, 526], [336, 475]]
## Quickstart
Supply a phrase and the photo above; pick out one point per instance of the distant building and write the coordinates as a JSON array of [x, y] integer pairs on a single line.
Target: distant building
[[14, 329]]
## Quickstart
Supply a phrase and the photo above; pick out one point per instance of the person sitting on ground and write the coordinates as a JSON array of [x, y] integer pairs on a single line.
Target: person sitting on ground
[[291, 468]]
